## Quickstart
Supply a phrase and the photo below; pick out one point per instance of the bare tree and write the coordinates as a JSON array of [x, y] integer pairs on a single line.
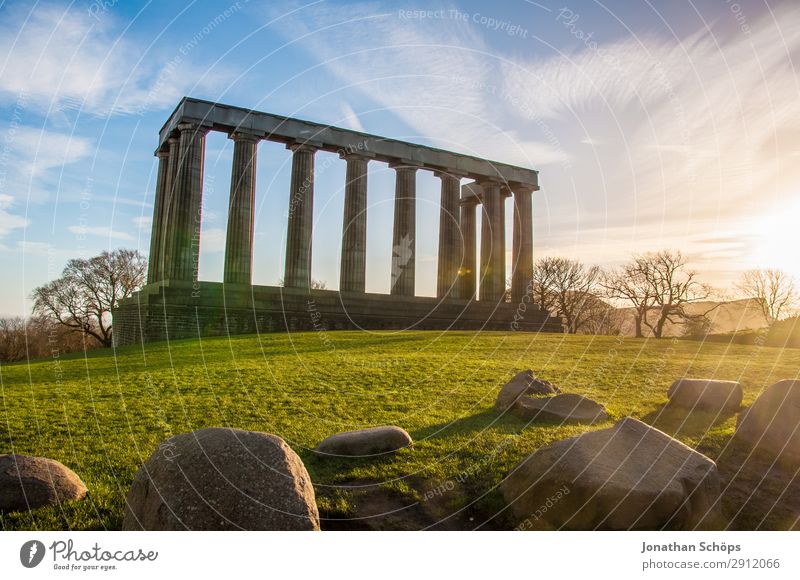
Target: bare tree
[[544, 273], [565, 287], [659, 286], [37, 337], [775, 292], [83, 297], [600, 317], [315, 284], [674, 286], [630, 284]]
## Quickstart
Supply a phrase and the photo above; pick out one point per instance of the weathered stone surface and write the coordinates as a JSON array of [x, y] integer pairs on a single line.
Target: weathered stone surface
[[568, 408], [363, 442], [630, 476], [32, 482], [523, 384], [706, 394], [222, 479], [772, 423]]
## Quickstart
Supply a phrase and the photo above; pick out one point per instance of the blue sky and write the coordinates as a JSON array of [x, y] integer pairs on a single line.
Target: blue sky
[[653, 124]]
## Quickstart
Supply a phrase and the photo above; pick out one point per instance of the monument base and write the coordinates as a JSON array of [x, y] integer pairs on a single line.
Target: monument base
[[172, 310]]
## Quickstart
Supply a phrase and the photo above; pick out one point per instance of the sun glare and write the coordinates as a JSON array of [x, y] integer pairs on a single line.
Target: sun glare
[[777, 241]]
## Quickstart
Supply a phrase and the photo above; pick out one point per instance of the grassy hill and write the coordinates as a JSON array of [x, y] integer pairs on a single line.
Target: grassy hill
[[105, 413]]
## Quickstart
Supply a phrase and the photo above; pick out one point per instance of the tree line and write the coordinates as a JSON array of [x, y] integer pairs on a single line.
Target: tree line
[[656, 289]]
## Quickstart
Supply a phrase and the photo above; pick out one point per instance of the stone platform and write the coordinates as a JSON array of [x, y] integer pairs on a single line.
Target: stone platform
[[173, 310]]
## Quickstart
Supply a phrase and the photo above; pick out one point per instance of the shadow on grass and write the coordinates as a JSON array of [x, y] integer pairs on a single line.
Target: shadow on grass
[[681, 422], [500, 423], [758, 492]]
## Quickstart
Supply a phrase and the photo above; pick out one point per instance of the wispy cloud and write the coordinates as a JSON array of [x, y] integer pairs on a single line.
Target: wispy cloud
[[100, 231], [696, 131], [9, 221], [61, 59]]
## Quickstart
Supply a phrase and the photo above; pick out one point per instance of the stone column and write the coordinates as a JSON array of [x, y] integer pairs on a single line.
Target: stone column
[[493, 262], [241, 209], [449, 236], [154, 262], [469, 263], [165, 234], [353, 268], [183, 237], [522, 267], [404, 238], [297, 272]]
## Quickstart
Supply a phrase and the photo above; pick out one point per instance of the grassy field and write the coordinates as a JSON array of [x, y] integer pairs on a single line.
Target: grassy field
[[103, 414]]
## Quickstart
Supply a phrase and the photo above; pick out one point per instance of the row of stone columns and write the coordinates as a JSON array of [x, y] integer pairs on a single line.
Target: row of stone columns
[[175, 243]]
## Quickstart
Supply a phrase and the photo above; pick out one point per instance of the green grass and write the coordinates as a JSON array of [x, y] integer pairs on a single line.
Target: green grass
[[104, 414]]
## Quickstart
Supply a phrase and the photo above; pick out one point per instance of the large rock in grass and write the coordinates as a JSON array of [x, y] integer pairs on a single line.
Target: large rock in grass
[[32, 482], [222, 479], [568, 408], [630, 476], [365, 442], [706, 394], [524, 384], [772, 423]]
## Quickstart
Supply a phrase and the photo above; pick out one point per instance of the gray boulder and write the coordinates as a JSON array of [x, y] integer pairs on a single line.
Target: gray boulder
[[365, 442], [772, 423], [524, 384], [629, 476], [32, 482], [222, 479], [567, 408], [706, 394]]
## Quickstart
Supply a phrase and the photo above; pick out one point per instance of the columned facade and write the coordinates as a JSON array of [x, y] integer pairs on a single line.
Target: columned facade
[[241, 210], [404, 238], [177, 304], [297, 271], [352, 275]]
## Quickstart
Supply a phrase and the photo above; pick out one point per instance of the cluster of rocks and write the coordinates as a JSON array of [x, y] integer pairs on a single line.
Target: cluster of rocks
[[633, 476], [628, 476], [532, 398]]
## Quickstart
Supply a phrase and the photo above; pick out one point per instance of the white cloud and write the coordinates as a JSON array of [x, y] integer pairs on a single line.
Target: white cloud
[[350, 118], [142, 222], [100, 231], [9, 221], [213, 240], [59, 58], [421, 72]]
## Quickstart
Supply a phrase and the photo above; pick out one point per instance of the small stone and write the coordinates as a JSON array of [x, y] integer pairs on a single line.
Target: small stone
[[522, 385], [706, 394], [28, 483], [567, 408], [365, 442]]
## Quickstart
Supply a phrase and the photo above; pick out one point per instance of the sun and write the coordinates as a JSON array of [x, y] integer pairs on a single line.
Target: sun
[[776, 241]]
